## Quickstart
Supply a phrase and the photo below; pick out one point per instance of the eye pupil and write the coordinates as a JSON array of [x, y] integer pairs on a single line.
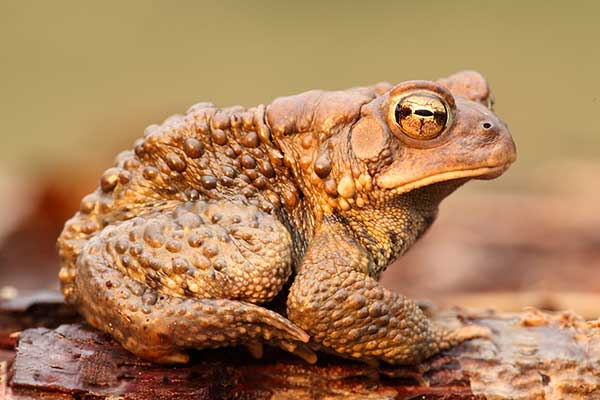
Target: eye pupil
[[424, 113]]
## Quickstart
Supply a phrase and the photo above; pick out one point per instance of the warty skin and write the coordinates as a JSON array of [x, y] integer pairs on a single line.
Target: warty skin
[[191, 235]]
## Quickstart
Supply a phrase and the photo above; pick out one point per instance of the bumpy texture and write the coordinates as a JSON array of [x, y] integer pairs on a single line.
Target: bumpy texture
[[191, 235]]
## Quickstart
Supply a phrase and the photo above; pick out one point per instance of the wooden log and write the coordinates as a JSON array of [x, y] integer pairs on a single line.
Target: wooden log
[[529, 355], [34, 309]]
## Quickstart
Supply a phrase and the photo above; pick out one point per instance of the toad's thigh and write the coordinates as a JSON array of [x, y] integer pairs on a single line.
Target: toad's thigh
[[223, 250]]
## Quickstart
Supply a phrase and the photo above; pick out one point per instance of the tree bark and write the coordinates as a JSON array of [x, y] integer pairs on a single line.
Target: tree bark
[[529, 355]]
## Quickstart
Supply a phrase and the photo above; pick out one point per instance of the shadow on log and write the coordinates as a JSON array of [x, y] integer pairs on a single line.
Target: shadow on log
[[529, 355]]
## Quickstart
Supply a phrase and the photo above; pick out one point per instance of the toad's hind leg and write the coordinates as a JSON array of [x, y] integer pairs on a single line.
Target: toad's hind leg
[[189, 278]]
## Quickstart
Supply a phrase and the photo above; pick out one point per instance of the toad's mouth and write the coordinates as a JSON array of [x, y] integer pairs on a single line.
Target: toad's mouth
[[397, 186]]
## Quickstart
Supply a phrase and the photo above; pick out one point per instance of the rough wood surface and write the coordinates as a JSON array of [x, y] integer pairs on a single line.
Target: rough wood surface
[[529, 355]]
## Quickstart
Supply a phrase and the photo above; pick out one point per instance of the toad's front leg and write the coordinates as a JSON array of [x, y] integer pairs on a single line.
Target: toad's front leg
[[334, 299]]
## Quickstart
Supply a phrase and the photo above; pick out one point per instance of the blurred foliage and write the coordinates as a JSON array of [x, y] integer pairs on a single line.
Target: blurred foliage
[[81, 80]]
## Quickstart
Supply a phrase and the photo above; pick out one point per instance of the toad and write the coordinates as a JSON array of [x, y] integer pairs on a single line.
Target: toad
[[191, 235]]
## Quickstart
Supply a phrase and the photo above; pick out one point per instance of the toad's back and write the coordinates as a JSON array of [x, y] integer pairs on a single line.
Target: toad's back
[[208, 153]]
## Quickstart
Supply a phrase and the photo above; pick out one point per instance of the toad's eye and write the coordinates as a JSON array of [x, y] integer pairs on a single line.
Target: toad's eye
[[421, 116]]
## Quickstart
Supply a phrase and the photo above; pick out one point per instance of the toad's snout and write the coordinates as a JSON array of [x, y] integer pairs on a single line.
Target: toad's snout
[[491, 136]]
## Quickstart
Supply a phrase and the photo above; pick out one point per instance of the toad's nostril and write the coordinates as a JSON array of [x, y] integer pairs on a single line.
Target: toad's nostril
[[486, 125]]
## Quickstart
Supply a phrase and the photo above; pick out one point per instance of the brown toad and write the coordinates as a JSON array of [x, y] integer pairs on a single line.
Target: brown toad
[[214, 212]]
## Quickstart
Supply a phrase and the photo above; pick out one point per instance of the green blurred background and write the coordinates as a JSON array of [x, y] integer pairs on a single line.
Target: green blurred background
[[81, 80]]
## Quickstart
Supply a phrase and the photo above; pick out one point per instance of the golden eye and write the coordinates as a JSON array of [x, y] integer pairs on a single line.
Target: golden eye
[[421, 116]]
